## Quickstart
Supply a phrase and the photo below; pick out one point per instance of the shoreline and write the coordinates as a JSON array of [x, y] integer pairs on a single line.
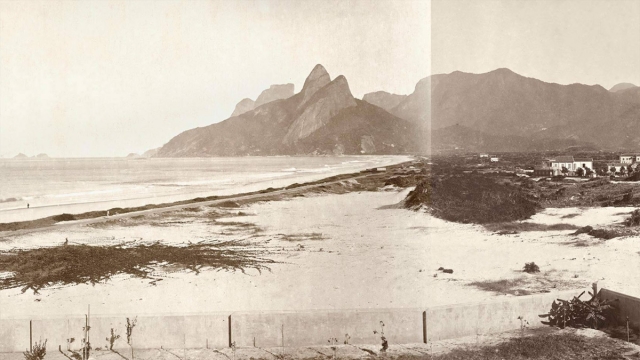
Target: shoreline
[[63, 219]]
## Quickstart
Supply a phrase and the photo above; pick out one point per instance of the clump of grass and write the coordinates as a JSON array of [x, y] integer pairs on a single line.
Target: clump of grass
[[525, 226], [504, 286], [82, 264], [531, 267]]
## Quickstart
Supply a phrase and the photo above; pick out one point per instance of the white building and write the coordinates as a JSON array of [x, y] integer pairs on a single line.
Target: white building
[[629, 158], [570, 163]]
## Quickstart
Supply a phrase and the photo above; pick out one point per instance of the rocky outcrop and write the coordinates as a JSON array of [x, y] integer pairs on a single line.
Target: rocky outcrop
[[243, 106], [275, 92], [317, 79], [384, 99], [325, 104]]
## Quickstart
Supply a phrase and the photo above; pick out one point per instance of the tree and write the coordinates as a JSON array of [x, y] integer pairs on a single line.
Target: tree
[[629, 169], [623, 170], [580, 172], [588, 171], [565, 171], [613, 169]]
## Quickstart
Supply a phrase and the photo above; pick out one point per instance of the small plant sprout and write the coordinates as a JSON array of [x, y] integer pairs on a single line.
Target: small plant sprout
[[385, 344], [333, 342], [130, 325], [69, 342], [233, 350], [112, 339], [37, 352], [346, 339]]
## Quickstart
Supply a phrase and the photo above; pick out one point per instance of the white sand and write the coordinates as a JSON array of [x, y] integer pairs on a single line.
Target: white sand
[[370, 258]]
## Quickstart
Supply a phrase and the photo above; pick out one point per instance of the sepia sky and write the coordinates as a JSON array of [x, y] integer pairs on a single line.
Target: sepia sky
[[561, 41], [106, 78]]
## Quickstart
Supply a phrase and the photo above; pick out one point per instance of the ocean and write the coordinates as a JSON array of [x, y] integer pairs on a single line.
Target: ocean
[[54, 186]]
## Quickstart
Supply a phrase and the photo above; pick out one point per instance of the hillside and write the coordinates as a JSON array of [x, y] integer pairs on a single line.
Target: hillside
[[323, 118], [504, 104]]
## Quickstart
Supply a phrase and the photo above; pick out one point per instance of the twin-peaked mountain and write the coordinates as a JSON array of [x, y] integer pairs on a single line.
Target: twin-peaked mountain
[[323, 118], [495, 111], [503, 111]]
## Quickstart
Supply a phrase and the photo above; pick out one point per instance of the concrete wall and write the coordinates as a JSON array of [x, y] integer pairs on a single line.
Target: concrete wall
[[301, 328], [316, 327], [453, 321], [191, 331], [628, 305]]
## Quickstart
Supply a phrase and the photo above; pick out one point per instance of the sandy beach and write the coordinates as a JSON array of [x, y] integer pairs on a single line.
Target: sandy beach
[[333, 256]]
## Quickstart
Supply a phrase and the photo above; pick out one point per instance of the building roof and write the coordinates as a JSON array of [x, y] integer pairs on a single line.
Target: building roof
[[583, 159], [630, 155], [563, 159]]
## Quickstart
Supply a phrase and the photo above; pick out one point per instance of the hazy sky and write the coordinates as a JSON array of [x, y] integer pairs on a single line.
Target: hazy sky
[[562, 41], [106, 78]]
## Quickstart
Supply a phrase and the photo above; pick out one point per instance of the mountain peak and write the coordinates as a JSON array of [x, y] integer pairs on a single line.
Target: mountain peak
[[317, 79], [622, 86]]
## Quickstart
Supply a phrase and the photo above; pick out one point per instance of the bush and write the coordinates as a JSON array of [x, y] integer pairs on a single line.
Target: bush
[[472, 199], [531, 268], [583, 230], [578, 313]]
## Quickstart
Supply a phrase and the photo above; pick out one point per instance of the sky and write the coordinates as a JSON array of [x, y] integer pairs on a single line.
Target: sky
[[561, 41], [108, 78]]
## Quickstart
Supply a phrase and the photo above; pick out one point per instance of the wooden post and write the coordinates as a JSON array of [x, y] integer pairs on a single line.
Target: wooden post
[[594, 286], [424, 327], [30, 335]]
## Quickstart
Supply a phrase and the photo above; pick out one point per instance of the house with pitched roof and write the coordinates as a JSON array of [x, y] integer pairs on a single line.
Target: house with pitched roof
[[570, 163]]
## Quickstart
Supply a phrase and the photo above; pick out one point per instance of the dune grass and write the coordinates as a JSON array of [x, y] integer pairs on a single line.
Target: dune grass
[[82, 264]]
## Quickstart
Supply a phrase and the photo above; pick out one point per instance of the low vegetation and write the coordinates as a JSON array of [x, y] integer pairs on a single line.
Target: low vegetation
[[578, 313], [565, 346], [472, 198], [82, 264]]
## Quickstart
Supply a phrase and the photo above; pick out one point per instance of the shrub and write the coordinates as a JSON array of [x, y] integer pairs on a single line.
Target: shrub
[[472, 199], [531, 268], [578, 313], [583, 230]]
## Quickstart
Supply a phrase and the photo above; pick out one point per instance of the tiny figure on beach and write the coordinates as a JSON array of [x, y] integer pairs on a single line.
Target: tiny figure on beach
[[27, 205], [66, 242]]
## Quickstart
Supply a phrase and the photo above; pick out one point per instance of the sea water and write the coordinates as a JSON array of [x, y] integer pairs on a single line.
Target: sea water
[[54, 186]]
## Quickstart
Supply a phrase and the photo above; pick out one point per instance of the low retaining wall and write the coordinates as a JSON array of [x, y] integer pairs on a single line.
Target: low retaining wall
[[150, 332], [454, 321], [317, 327], [628, 305], [300, 328]]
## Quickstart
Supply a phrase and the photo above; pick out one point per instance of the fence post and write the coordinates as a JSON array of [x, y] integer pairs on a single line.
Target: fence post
[[229, 323], [424, 326]]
